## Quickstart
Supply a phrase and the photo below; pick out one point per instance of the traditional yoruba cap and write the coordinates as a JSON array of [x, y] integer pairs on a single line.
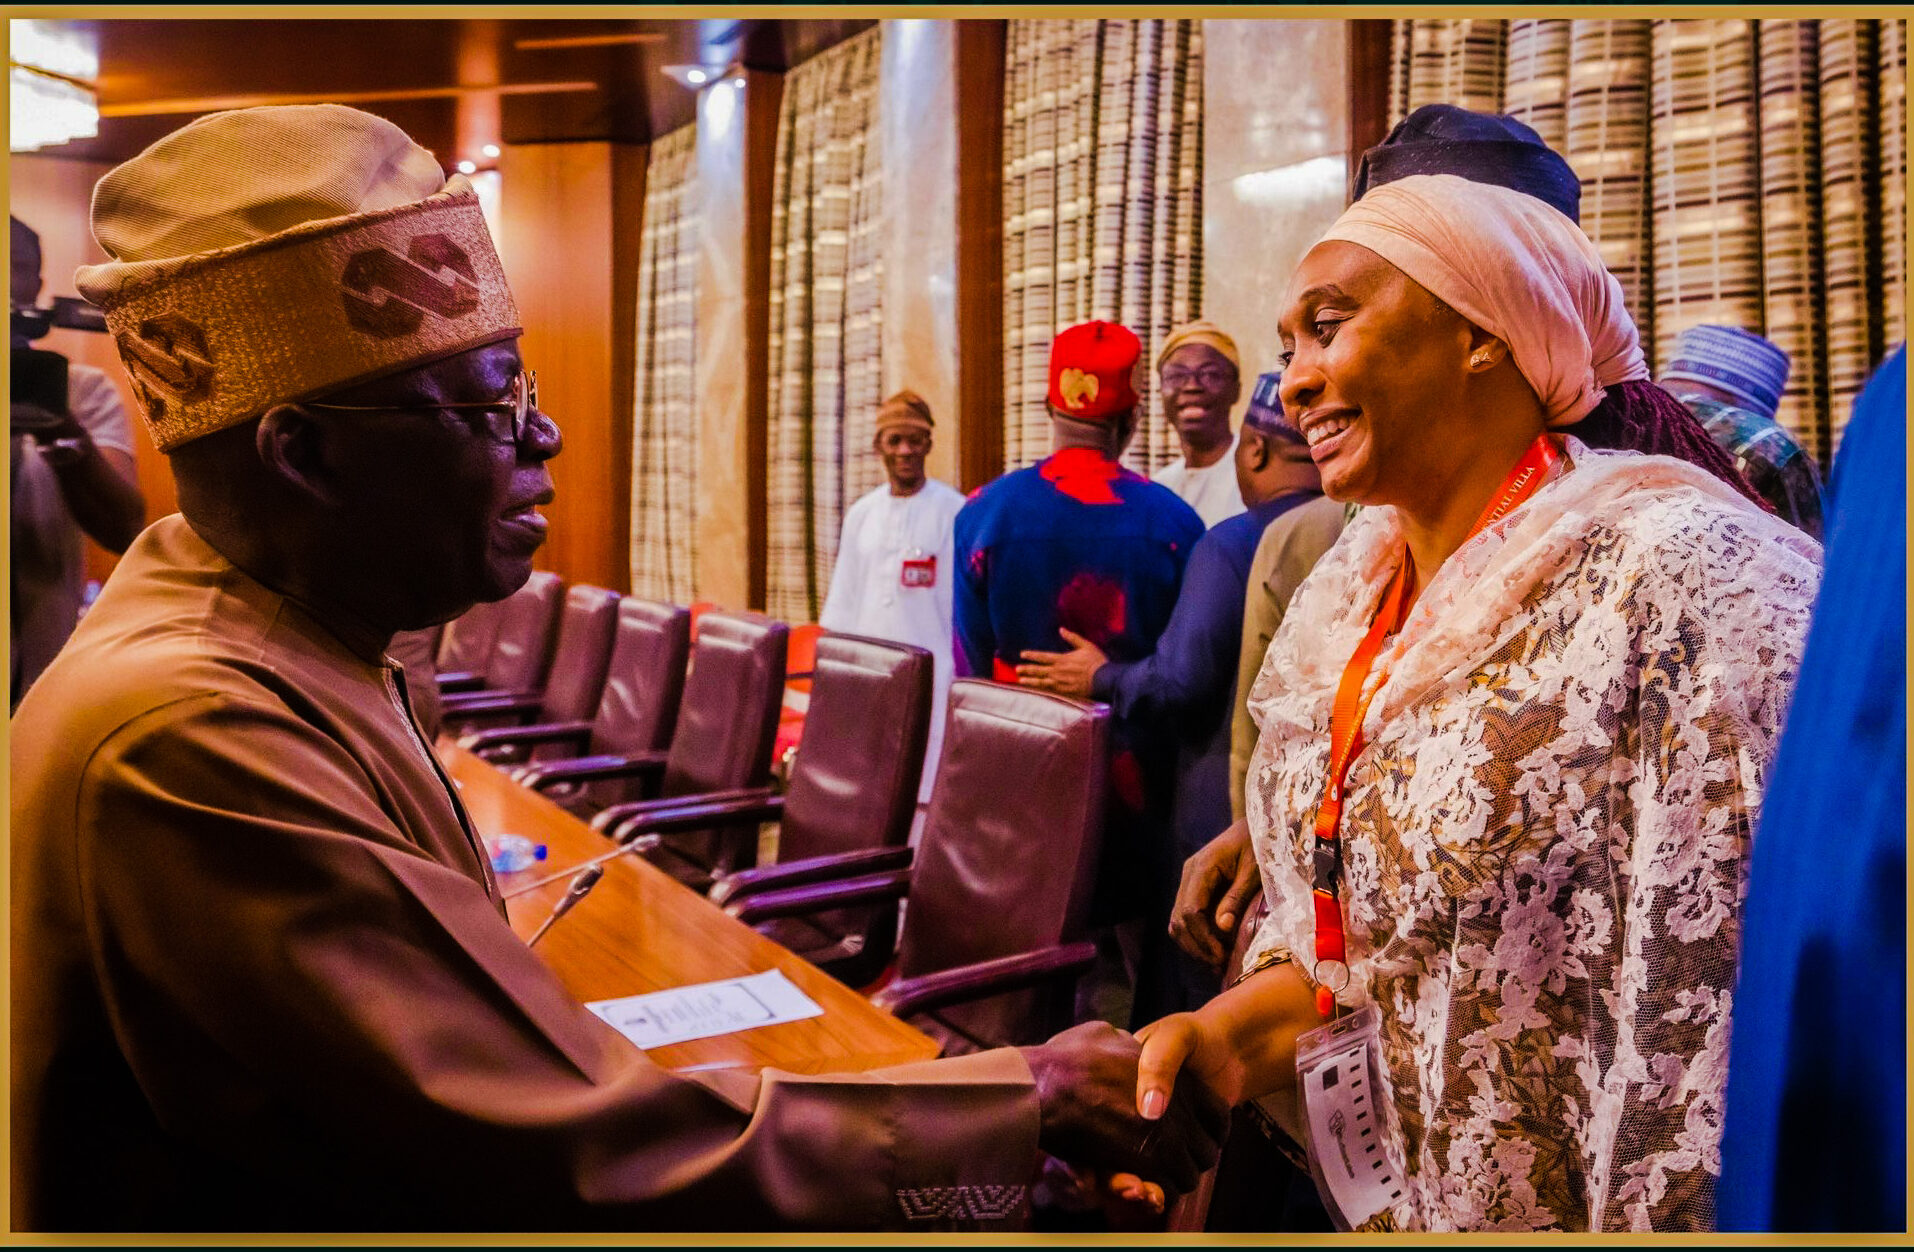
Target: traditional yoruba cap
[[1265, 411], [1744, 364], [1199, 332], [269, 255], [906, 408], [1093, 369], [1481, 147]]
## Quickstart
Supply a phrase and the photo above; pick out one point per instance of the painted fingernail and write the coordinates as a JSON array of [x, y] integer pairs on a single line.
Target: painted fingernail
[[1153, 1102]]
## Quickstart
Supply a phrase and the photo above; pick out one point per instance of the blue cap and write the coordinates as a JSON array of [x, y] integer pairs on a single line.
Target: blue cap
[[1745, 365], [1481, 147], [1265, 410]]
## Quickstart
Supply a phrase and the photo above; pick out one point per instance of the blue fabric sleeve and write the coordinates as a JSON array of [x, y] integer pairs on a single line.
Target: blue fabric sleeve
[[1195, 660]]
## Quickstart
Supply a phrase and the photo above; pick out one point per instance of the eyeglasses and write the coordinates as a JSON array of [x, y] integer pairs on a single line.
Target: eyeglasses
[[1211, 376], [507, 419]]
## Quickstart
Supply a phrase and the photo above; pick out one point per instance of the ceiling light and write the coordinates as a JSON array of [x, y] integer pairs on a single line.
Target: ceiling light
[[693, 76], [51, 96], [491, 151], [468, 167], [696, 76]]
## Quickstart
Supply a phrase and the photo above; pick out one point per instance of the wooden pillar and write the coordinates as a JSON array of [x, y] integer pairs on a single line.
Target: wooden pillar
[[736, 155], [1369, 70], [980, 250], [571, 215]]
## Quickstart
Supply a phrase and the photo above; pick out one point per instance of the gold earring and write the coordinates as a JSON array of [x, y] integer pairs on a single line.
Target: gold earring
[[1479, 359]]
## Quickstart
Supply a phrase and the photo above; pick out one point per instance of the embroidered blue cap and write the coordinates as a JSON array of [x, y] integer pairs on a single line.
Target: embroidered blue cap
[[1265, 410], [1745, 365]]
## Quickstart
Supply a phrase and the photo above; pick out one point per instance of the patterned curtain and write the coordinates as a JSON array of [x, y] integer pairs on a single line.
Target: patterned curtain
[[1733, 170], [826, 281], [665, 428], [1103, 210]]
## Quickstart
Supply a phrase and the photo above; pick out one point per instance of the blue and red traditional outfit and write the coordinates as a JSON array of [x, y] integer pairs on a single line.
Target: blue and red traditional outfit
[[1079, 542]]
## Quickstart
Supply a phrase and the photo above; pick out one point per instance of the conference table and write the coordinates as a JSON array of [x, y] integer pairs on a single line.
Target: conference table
[[640, 930]]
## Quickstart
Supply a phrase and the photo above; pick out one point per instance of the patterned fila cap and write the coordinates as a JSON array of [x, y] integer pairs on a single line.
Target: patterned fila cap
[[270, 255]]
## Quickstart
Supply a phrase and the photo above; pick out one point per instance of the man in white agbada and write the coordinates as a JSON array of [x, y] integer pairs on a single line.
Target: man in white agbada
[[892, 579], [1199, 376]]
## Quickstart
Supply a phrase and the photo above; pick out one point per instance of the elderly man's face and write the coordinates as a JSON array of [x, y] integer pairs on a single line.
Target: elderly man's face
[[445, 501]]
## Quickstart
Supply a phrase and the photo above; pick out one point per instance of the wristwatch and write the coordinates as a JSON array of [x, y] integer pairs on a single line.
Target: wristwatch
[[65, 451]]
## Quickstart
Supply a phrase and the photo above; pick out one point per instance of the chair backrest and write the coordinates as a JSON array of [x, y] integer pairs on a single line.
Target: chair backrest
[[586, 624], [854, 784], [528, 620], [1008, 856], [728, 715], [645, 679], [466, 646]]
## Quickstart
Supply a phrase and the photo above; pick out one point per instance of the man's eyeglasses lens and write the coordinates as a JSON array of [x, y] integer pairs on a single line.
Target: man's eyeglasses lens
[[1209, 375]]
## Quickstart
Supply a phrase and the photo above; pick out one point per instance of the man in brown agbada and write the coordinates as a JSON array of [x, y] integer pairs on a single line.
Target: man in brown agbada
[[262, 977]]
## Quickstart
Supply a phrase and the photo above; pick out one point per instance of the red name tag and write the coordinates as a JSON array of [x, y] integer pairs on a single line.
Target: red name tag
[[920, 573]]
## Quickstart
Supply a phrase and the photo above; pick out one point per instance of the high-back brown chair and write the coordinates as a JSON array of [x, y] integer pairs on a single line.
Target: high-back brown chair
[[993, 940], [851, 799], [574, 679], [727, 719], [521, 651], [465, 646], [636, 713]]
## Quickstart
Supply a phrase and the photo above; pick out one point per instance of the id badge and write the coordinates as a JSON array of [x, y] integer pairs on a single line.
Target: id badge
[[920, 570], [1339, 1073]]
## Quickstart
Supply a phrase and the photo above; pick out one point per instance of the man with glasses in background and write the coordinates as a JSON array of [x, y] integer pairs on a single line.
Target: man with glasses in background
[[262, 974], [1199, 376]]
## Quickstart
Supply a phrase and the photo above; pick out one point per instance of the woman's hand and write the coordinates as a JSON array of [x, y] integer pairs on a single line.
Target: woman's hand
[[1185, 1042], [1066, 673]]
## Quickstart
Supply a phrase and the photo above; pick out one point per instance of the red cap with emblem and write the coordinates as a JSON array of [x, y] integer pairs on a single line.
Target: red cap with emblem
[[1093, 370]]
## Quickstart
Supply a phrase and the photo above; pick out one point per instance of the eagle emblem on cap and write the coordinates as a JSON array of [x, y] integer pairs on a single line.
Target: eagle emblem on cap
[[1077, 388]]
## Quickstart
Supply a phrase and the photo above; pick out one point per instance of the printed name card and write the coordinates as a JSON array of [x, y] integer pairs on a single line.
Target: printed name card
[[681, 1014]]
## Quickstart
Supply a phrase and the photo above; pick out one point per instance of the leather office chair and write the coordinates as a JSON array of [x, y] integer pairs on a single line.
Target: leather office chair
[[575, 678], [852, 794], [721, 748], [999, 887], [798, 667], [466, 645], [635, 715], [521, 647]]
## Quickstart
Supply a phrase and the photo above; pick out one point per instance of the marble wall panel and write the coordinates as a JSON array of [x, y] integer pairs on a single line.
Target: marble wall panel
[[1275, 167]]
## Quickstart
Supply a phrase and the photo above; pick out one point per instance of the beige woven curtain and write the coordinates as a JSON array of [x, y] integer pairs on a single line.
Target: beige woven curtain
[[826, 282], [665, 427], [1103, 208], [1744, 171]]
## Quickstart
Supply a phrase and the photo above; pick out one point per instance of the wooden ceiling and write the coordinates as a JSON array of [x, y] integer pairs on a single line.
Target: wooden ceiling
[[454, 84]]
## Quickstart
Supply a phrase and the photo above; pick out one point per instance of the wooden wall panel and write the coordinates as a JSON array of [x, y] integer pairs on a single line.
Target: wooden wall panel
[[52, 195], [571, 215], [980, 251]]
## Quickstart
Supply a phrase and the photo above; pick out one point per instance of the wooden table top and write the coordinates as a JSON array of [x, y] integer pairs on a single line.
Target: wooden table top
[[641, 930]]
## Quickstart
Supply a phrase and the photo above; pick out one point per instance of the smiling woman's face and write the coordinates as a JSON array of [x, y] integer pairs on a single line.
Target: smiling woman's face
[[1375, 373]]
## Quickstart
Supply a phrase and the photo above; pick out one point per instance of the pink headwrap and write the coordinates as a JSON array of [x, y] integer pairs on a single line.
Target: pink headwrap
[[1517, 268]]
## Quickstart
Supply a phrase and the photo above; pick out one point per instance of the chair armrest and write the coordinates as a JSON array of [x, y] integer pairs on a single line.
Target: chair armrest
[[812, 869], [542, 774], [985, 978], [478, 703], [537, 733], [458, 680], [817, 897], [669, 815]]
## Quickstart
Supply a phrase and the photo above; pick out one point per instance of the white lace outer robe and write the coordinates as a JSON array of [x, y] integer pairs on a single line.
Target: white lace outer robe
[[1545, 839]]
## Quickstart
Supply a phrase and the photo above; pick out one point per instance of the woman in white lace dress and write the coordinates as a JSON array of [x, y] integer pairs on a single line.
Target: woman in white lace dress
[[1544, 826]]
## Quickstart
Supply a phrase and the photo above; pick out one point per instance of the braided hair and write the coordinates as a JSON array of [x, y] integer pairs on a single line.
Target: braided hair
[[1641, 417]]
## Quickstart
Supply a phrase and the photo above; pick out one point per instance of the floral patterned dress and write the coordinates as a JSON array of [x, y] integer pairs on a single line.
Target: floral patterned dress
[[1546, 836]]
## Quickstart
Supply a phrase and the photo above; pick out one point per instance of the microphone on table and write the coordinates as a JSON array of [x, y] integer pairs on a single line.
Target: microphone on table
[[580, 888]]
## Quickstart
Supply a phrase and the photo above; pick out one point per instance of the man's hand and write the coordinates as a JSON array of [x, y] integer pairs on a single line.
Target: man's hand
[[1066, 673], [1218, 884], [1087, 1089]]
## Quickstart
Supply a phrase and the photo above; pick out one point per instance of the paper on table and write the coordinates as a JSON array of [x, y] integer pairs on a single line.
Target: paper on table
[[705, 1009]]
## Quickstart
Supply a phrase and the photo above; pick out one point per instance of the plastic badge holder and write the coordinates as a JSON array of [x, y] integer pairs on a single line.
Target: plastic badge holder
[[1338, 1074]]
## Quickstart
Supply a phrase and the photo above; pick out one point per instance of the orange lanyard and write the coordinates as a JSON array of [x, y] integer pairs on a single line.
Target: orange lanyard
[[1352, 705]]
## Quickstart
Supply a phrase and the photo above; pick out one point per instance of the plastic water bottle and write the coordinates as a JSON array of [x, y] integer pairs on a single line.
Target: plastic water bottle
[[512, 853]]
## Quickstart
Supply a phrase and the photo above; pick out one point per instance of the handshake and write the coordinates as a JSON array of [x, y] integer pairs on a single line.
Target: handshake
[[1093, 1110]]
